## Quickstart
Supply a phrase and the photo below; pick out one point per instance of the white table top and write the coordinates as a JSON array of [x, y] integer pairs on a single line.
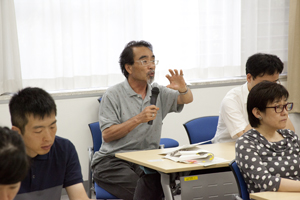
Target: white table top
[[152, 159], [275, 195]]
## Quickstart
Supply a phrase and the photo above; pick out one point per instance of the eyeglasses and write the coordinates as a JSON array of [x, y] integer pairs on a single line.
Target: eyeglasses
[[279, 108], [148, 62]]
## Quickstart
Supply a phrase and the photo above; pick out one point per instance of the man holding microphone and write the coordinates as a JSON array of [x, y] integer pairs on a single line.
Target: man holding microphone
[[124, 113]]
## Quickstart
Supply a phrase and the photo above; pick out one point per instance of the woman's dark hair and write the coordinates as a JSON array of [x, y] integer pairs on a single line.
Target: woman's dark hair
[[260, 64], [260, 95], [126, 56], [14, 162], [30, 101]]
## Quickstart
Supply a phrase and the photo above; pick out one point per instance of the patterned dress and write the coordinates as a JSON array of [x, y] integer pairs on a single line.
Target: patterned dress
[[264, 163]]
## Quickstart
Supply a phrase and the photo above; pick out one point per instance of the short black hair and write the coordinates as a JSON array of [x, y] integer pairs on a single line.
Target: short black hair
[[126, 56], [14, 163], [260, 64], [30, 101], [260, 95]]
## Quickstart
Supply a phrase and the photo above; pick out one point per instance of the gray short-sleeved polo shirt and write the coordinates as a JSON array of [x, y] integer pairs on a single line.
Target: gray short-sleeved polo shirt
[[121, 103]]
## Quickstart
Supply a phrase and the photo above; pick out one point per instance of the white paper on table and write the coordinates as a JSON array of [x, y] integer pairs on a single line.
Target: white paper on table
[[188, 147], [184, 155], [192, 154]]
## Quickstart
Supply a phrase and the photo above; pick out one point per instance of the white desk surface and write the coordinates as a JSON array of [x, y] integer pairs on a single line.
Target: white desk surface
[[275, 195], [152, 159]]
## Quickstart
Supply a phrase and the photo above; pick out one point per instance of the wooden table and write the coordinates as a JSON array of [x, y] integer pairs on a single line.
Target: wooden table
[[275, 195], [152, 160]]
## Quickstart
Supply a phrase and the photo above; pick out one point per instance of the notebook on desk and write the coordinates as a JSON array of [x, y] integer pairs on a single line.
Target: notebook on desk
[[192, 154]]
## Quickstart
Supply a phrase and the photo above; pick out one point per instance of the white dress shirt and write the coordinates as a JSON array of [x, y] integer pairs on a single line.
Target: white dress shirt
[[233, 116]]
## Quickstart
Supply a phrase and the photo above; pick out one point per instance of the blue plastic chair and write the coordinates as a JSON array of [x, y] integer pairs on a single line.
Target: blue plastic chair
[[97, 142], [201, 129], [243, 192], [168, 142]]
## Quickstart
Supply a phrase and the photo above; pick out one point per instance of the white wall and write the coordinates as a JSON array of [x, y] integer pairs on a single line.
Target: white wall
[[75, 114], [206, 102]]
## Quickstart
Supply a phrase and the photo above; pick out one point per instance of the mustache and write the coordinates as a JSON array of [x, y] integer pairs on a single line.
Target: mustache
[[151, 71]]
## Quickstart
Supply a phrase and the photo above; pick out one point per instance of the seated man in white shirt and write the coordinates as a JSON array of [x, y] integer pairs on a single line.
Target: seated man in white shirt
[[233, 118]]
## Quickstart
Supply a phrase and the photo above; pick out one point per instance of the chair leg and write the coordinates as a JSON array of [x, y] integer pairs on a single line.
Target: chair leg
[[90, 185], [90, 178]]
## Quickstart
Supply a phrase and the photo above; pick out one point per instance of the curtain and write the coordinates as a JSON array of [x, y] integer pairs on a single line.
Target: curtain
[[10, 71], [75, 44], [293, 81], [265, 28], [201, 37]]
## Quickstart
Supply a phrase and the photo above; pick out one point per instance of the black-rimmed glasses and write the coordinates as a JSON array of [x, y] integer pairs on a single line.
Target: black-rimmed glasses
[[279, 108]]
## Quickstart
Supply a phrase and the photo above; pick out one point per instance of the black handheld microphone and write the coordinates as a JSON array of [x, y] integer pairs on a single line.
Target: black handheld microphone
[[153, 98]]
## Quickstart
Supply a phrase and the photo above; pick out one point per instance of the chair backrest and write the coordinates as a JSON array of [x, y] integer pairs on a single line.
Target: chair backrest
[[97, 142], [201, 129], [240, 180], [96, 135], [168, 142]]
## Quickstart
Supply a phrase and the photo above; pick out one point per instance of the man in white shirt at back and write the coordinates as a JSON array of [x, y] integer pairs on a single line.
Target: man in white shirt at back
[[233, 117]]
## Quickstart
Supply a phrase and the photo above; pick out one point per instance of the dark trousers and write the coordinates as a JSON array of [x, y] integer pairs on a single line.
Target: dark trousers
[[127, 180]]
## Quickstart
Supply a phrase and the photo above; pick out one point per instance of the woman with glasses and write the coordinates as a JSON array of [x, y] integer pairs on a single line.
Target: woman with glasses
[[268, 155], [14, 163]]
